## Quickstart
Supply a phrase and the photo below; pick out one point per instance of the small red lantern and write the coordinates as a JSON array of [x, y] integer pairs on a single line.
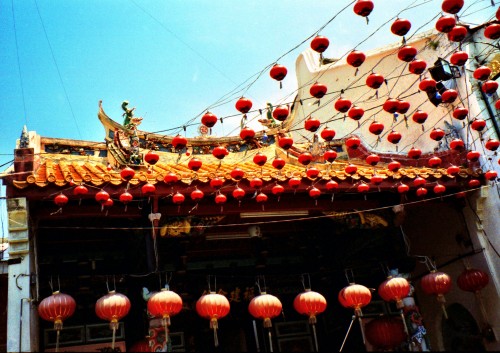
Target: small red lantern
[[363, 8], [478, 124], [243, 105], [285, 142], [220, 152], [394, 166], [197, 195], [453, 170], [452, 6], [178, 198], [208, 119], [460, 113], [355, 296], [420, 117], [414, 153], [294, 182], [247, 134], [374, 80], [256, 183], [61, 200], [482, 73], [490, 175], [102, 196], [151, 157], [427, 85], [278, 72], [342, 105], [237, 174], [327, 134], [112, 307], [459, 58], [394, 289], [314, 192], [385, 333], [457, 34], [376, 128], [278, 163], [266, 307], [312, 173], [407, 53], [310, 303], [490, 87], [400, 27], [80, 190], [164, 304], [213, 307], [492, 31], [312, 124], [473, 156], [320, 44], [127, 173], [403, 188], [216, 183], [363, 187], [449, 96], [356, 58], [391, 105], [355, 113], [439, 189], [148, 189], [372, 159], [474, 183], [281, 112], [437, 134], [419, 181], [179, 142], [417, 66], [350, 169], [260, 159], [403, 107], [332, 185], [170, 178], [394, 137], [126, 198], [57, 308], [457, 144], [195, 164], [318, 90], [353, 142], [278, 190], [376, 179], [492, 144], [421, 192], [434, 162], [305, 158], [472, 280], [330, 156], [446, 23], [437, 283], [238, 193]]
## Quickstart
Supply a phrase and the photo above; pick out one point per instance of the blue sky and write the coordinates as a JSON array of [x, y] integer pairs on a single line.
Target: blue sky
[[170, 59]]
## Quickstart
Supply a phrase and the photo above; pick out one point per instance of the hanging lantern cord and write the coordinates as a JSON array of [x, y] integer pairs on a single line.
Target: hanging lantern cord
[[315, 336], [270, 339], [347, 334], [214, 325]]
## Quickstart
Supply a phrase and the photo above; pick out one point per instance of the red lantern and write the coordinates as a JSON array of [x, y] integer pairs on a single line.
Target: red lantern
[[330, 156], [332, 185], [363, 8], [247, 134], [208, 119], [61, 200], [170, 178], [376, 128], [179, 142], [356, 58], [353, 142], [482, 73], [125, 198], [220, 152], [80, 190], [151, 157], [127, 173], [312, 173], [421, 192], [478, 124], [437, 134], [318, 90], [278, 72], [394, 137], [164, 304], [420, 117], [355, 113], [278, 190], [492, 31], [265, 307], [497, 104], [372, 159], [417, 66], [446, 23], [363, 187], [459, 58], [374, 80], [197, 195], [414, 153], [220, 199], [216, 183], [460, 113], [453, 170], [472, 280], [148, 189], [437, 283], [112, 307], [439, 189], [376, 179], [280, 113], [237, 174], [260, 159], [385, 333], [490, 87], [294, 182], [312, 124], [140, 346], [457, 145], [238, 193], [452, 6], [434, 162], [474, 183], [492, 144], [327, 134], [278, 163], [57, 308], [178, 198], [355, 296], [407, 53], [213, 307], [457, 34], [400, 27], [391, 105], [314, 193], [102, 196], [449, 96], [320, 44], [350, 169], [243, 105], [419, 181], [310, 303], [195, 164], [256, 183], [427, 85], [305, 158], [473, 156], [403, 189], [394, 166], [285, 142], [490, 175], [342, 105], [403, 107]]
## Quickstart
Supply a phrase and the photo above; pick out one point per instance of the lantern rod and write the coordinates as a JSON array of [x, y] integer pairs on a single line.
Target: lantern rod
[[347, 334]]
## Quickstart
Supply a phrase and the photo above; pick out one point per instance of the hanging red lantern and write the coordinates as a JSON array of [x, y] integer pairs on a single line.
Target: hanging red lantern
[[490, 87], [419, 181], [459, 58], [197, 195], [195, 164], [305, 158], [472, 280], [394, 166], [376, 179], [437, 134], [421, 192], [417, 66], [102, 196], [457, 144], [372, 159], [216, 183], [170, 178], [213, 307], [332, 185], [437, 283], [237, 174], [453, 170], [427, 85], [355, 113], [108, 203], [478, 124], [460, 113], [434, 162], [492, 144], [350, 169], [482, 73], [473, 156], [281, 112], [260, 159], [314, 192], [446, 23], [310, 303], [318, 90], [80, 190], [208, 119], [363, 8], [355, 296], [320, 44], [497, 14], [363, 187], [403, 106], [285, 142], [112, 307], [474, 183], [385, 333], [407, 53], [148, 189], [126, 198], [356, 58], [256, 183], [353, 142], [457, 33], [394, 137], [278, 72], [403, 188], [294, 182], [278, 190], [374, 80], [179, 142], [490, 175], [238, 193], [376, 128], [330, 156], [312, 124], [220, 152], [400, 27], [247, 134], [327, 134], [57, 308], [165, 304], [449, 96], [265, 307], [394, 289], [420, 117], [151, 157], [439, 189], [278, 163], [414, 153], [492, 31], [342, 105], [127, 173], [452, 6], [178, 198], [391, 105], [61, 200], [312, 172], [497, 104], [243, 105]]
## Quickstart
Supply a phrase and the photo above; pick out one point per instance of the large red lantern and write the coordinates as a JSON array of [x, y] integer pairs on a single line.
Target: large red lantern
[[208, 119], [310, 303], [438, 284], [492, 31], [385, 333], [320, 44], [327, 134], [265, 307], [356, 58], [363, 7], [353, 142], [472, 280], [278, 72], [446, 23], [179, 142], [407, 53], [452, 6], [417, 66], [374, 80], [164, 304], [459, 58], [57, 308], [127, 173], [318, 90], [342, 105], [355, 113], [151, 157], [457, 34], [489, 87], [312, 124], [247, 134], [112, 307], [355, 296], [400, 27], [61, 200], [243, 105], [280, 113], [213, 307], [394, 289], [482, 73]]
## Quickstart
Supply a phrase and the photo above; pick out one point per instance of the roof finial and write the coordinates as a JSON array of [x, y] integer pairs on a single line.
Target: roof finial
[[24, 140]]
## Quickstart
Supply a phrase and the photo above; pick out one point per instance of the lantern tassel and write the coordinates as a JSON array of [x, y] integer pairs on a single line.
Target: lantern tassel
[[442, 300], [281, 85], [113, 340], [333, 196], [315, 337], [270, 339], [362, 329], [216, 340], [58, 332]]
